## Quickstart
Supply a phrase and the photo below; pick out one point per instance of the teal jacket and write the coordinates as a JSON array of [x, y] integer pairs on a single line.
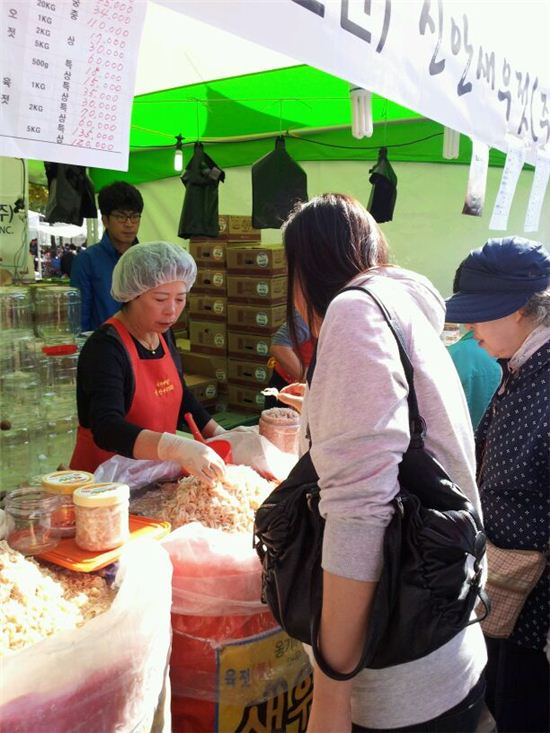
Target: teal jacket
[[479, 373]]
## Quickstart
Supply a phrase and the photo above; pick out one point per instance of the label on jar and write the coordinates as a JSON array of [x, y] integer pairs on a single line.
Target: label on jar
[[220, 375], [217, 279], [262, 348], [262, 259], [218, 306], [67, 477], [219, 339], [210, 391], [259, 398], [262, 288], [217, 253], [262, 319], [103, 494], [260, 374]]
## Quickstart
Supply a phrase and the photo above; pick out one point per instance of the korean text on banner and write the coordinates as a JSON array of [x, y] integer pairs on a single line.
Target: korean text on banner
[[445, 59], [68, 74]]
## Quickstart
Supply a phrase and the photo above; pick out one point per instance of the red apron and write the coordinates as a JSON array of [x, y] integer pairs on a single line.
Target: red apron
[[155, 405], [305, 350]]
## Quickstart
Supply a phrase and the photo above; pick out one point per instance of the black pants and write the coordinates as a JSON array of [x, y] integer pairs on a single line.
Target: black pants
[[462, 718], [518, 687]]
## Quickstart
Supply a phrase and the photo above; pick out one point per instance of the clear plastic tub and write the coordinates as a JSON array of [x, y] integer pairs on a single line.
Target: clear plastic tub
[[29, 514], [102, 516], [281, 426], [63, 484], [57, 313]]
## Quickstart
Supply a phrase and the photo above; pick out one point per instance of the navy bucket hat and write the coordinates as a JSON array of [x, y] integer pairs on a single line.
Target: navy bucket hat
[[498, 279]]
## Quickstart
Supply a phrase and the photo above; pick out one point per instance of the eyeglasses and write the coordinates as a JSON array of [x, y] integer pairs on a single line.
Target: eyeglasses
[[122, 217]]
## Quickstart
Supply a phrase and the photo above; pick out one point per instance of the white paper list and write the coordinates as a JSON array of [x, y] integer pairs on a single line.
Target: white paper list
[[538, 191], [508, 183], [67, 79]]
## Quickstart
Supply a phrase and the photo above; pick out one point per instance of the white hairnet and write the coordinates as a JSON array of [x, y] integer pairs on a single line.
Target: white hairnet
[[145, 266]]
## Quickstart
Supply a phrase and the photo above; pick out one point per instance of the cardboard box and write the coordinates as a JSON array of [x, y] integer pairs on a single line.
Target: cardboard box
[[248, 372], [234, 227], [205, 306], [212, 252], [244, 289], [248, 346], [203, 387], [245, 398], [257, 260], [255, 318], [210, 281], [208, 337], [207, 364]]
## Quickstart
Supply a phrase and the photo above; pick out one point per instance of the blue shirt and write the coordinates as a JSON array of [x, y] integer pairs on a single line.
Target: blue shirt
[[92, 274], [479, 373], [282, 337]]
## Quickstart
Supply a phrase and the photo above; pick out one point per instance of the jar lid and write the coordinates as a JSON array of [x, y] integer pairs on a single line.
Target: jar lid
[[65, 482], [104, 494]]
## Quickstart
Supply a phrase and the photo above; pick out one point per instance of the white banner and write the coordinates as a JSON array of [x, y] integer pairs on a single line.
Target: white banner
[[449, 60], [67, 79]]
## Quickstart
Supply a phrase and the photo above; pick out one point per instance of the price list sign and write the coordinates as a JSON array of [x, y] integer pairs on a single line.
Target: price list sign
[[67, 73]]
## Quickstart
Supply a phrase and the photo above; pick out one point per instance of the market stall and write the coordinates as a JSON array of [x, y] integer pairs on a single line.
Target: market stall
[[179, 587]]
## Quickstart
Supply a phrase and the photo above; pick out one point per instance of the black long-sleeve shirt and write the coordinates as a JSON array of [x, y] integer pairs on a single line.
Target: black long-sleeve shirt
[[105, 389]]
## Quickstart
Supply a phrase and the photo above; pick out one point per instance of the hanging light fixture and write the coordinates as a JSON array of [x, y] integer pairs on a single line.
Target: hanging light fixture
[[451, 143], [178, 155], [361, 113]]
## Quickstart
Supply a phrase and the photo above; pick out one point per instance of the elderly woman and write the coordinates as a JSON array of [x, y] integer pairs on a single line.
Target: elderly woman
[[502, 294], [131, 394]]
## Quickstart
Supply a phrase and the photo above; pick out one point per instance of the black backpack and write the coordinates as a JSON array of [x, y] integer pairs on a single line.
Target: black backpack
[[433, 550]]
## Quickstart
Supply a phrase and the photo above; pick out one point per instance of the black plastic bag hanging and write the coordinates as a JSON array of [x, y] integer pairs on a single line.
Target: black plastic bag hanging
[[71, 195], [278, 183], [199, 215], [384, 188]]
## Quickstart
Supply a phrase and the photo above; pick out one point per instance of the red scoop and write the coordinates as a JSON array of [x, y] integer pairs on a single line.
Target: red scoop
[[221, 447]]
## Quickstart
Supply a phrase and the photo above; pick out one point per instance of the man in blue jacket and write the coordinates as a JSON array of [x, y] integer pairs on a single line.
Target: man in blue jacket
[[121, 205]]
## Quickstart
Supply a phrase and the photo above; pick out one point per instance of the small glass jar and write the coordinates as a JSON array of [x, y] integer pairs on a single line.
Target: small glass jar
[[29, 516], [102, 516], [281, 426], [62, 484]]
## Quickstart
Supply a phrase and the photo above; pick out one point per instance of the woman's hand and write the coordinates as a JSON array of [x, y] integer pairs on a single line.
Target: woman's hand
[[293, 395], [196, 458]]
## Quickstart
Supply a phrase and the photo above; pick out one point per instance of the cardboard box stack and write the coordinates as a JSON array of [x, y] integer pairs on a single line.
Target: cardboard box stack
[[208, 310], [256, 307]]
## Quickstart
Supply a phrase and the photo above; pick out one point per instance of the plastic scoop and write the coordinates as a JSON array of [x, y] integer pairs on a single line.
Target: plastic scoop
[[221, 447]]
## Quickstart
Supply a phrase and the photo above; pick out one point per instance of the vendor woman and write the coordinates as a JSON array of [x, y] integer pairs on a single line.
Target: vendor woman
[[131, 394]]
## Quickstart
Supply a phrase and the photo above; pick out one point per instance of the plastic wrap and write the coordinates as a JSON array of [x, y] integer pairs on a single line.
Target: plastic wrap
[[215, 573], [229, 657], [108, 674], [136, 473]]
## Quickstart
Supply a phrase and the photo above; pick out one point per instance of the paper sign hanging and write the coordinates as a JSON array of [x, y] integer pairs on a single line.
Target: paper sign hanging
[[477, 180], [538, 191], [510, 176], [67, 83]]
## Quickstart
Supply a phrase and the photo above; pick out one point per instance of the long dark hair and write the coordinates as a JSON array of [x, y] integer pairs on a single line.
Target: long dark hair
[[328, 241]]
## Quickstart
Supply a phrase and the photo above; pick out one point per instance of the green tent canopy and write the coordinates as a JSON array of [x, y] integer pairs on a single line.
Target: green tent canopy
[[238, 119]]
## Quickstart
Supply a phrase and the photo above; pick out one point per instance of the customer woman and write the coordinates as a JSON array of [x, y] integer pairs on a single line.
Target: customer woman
[[131, 395], [502, 293], [357, 418]]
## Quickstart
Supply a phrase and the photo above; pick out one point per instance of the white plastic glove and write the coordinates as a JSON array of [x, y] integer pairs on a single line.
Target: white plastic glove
[[195, 457]]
